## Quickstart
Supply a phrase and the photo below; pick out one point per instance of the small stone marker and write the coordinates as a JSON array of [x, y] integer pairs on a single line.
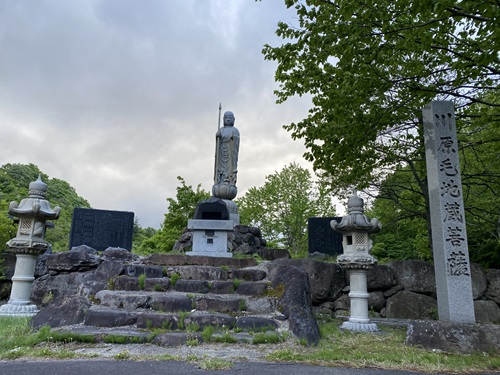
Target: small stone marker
[[449, 237], [321, 238], [101, 229]]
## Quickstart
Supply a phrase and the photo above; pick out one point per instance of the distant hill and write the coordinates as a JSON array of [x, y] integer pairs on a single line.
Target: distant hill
[[14, 183]]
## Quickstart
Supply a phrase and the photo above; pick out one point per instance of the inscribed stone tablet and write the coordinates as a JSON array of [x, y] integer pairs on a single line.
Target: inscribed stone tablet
[[101, 229], [322, 238]]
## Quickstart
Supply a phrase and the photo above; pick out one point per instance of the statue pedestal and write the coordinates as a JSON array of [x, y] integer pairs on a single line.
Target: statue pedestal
[[210, 237], [19, 302]]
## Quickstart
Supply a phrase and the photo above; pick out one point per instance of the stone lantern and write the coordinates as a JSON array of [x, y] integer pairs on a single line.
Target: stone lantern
[[356, 260], [33, 213]]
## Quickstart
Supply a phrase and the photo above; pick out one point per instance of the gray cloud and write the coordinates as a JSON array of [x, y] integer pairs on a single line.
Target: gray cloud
[[118, 97]]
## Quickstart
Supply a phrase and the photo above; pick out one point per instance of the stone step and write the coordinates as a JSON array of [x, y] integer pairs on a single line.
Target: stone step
[[184, 260], [126, 335], [99, 316], [174, 301], [254, 288]]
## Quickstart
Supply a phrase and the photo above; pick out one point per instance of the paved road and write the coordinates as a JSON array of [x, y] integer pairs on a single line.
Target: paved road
[[109, 367]]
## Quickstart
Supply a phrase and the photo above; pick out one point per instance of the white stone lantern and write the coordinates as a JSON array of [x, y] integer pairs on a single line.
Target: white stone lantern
[[29, 243], [356, 260]]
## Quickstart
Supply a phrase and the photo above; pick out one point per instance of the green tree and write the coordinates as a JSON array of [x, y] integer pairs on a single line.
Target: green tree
[[180, 210], [369, 67], [281, 207], [14, 186]]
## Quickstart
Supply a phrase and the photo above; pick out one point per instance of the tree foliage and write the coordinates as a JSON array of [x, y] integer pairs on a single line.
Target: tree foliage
[[14, 186], [180, 210], [281, 207], [369, 67]]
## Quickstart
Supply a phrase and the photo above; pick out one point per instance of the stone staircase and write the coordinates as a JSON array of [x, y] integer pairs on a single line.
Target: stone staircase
[[171, 303]]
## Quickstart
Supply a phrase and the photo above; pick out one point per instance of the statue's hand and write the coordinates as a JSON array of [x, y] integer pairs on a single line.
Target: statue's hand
[[218, 134]]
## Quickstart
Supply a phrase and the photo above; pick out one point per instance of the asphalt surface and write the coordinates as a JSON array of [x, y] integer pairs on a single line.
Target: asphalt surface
[[110, 367]]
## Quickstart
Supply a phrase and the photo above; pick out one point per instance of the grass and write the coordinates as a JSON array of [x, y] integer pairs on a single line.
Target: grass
[[215, 364], [336, 348], [381, 350]]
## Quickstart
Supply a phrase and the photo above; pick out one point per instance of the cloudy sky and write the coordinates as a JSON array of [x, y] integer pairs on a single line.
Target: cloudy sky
[[119, 97]]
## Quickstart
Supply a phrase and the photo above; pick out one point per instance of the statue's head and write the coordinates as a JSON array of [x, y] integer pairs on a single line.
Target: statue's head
[[228, 118]]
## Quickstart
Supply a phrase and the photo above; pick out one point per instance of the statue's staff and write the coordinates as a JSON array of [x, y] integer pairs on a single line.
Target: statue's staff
[[217, 141]]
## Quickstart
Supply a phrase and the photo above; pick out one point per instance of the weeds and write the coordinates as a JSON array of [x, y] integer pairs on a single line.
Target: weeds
[[174, 278], [141, 280]]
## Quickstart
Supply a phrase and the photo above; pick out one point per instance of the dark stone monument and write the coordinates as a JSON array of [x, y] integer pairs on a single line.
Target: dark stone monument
[[101, 229], [321, 237]]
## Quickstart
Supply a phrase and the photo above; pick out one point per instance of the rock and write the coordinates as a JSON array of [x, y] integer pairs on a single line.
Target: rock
[[126, 283], [479, 282], [217, 320], [493, 290], [201, 273], [244, 249], [176, 338], [49, 287], [41, 265], [135, 270], [62, 311], [72, 261], [486, 312], [171, 303], [326, 280], [295, 303], [126, 300], [454, 337], [219, 304], [84, 249], [248, 274], [192, 286], [251, 288], [415, 275], [157, 320], [160, 284], [376, 300], [255, 323], [108, 270], [410, 305], [119, 254], [109, 318], [381, 277], [222, 287]]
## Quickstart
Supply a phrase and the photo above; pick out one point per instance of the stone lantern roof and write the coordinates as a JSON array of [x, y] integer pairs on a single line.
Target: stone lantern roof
[[35, 205], [356, 220]]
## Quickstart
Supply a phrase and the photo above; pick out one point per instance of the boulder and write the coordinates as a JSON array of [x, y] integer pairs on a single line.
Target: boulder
[[376, 300], [410, 305], [256, 323], [108, 270], [109, 318], [119, 254], [49, 287], [381, 277], [62, 311], [248, 274], [415, 275], [454, 337], [486, 312], [295, 303], [75, 260], [479, 282], [326, 280], [493, 290]]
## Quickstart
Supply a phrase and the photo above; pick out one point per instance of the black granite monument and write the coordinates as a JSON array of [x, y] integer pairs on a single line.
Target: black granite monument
[[101, 229], [322, 238]]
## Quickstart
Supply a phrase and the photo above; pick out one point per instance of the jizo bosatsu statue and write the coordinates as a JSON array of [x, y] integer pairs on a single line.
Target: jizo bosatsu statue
[[227, 144]]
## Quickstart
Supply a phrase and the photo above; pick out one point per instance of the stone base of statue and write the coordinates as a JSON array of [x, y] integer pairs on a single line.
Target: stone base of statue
[[225, 191], [233, 211], [210, 237]]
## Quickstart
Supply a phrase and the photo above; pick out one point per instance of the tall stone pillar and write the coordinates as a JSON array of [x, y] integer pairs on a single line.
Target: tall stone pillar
[[449, 236]]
